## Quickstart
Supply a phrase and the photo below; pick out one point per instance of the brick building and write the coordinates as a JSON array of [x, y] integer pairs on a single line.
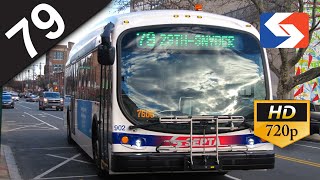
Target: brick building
[[56, 59]]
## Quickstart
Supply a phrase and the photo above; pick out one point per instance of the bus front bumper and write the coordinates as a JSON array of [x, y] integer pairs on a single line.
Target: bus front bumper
[[152, 162]]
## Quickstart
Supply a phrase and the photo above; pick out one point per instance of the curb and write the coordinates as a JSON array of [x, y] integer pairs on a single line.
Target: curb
[[313, 138], [13, 172]]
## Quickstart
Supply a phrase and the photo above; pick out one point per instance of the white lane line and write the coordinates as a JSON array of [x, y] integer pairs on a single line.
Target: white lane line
[[311, 142], [41, 121], [231, 177], [53, 148], [33, 125], [25, 106], [57, 166], [307, 146], [49, 129], [86, 162], [53, 116], [68, 177]]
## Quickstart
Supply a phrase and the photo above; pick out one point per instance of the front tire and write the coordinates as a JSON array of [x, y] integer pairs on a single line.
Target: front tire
[[69, 138]]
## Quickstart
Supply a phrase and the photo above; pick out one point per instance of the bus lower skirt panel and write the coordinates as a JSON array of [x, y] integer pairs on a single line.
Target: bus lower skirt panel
[[155, 162]]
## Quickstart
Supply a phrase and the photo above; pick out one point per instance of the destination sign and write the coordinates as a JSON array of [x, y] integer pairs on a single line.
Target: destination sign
[[186, 41]]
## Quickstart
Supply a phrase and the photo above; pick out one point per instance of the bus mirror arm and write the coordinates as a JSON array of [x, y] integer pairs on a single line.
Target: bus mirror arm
[[106, 52]]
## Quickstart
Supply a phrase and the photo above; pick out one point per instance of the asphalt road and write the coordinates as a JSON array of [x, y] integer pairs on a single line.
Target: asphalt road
[[38, 142]]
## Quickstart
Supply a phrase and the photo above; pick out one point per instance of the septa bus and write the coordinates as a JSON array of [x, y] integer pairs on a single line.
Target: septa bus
[[168, 91]]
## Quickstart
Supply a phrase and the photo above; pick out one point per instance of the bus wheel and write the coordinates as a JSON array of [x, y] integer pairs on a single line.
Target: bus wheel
[[69, 138], [95, 149]]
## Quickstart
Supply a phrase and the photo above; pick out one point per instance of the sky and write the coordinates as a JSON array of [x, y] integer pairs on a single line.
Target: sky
[[73, 37]]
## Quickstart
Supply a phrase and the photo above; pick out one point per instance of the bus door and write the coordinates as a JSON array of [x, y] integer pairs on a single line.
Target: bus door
[[104, 113], [73, 99]]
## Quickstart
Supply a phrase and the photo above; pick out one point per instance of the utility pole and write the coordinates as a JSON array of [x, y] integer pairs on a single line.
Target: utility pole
[[28, 79], [40, 78], [33, 78], [40, 68]]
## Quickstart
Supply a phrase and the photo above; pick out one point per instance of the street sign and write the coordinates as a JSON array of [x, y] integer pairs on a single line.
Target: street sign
[[85, 67], [281, 122]]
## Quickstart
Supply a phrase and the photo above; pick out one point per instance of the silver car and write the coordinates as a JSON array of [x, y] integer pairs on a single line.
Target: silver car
[[50, 100]]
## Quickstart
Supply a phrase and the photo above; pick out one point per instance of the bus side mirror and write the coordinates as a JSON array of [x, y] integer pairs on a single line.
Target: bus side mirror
[[106, 52], [106, 55]]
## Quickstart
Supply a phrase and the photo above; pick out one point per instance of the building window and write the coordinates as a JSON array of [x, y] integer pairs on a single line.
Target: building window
[[58, 55], [57, 68]]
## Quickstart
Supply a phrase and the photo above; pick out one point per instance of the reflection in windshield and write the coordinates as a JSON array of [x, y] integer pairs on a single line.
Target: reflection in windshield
[[222, 81], [52, 95]]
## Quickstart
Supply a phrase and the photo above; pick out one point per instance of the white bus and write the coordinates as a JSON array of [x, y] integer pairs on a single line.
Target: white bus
[[168, 91]]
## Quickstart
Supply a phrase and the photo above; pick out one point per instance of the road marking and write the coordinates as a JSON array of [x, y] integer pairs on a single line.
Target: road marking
[[53, 116], [67, 158], [52, 148], [49, 129], [57, 166], [68, 177], [311, 142], [33, 125], [298, 160], [25, 106], [41, 121], [307, 146], [231, 177]]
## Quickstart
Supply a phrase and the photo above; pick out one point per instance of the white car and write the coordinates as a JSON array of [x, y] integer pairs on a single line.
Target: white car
[[15, 97]]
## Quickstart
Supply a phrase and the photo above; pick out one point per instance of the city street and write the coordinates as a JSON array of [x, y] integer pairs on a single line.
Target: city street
[[40, 149]]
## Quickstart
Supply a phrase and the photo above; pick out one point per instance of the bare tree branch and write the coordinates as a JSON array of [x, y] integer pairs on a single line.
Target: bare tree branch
[[304, 77], [313, 15], [294, 60], [301, 5], [259, 5]]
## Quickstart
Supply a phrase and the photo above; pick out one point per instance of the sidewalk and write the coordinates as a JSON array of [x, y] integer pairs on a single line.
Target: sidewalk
[[4, 173], [8, 167]]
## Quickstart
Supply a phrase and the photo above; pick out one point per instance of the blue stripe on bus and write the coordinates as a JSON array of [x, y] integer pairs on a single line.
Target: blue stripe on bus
[[84, 116], [153, 140]]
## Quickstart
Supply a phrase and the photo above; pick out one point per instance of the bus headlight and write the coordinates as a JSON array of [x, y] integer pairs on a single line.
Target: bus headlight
[[138, 143], [250, 141]]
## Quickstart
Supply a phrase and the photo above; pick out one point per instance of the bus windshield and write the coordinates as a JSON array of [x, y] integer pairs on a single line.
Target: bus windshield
[[189, 70]]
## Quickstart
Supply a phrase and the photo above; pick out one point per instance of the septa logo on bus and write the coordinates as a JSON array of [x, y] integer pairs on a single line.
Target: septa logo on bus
[[197, 142]]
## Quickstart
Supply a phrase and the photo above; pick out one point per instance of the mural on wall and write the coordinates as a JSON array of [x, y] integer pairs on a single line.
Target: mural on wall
[[311, 58]]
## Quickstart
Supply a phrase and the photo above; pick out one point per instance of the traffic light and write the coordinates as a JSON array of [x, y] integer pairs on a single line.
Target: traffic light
[[56, 88]]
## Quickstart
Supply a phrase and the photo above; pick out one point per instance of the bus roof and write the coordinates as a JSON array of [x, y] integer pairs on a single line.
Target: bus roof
[[155, 17]]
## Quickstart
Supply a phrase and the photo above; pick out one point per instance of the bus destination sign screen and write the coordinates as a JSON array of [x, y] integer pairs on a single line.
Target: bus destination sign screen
[[163, 40]]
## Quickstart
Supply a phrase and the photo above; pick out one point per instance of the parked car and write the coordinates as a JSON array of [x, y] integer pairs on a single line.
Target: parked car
[[15, 97], [50, 100], [22, 95], [314, 119], [32, 98], [7, 101]]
